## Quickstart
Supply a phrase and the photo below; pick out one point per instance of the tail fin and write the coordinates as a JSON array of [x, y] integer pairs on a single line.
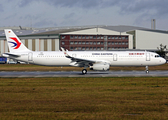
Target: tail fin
[[14, 43]]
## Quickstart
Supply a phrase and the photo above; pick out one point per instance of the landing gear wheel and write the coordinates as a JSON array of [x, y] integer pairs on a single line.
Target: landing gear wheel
[[147, 71], [84, 71]]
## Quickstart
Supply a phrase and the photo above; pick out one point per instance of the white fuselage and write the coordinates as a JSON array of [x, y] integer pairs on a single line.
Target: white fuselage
[[114, 58]]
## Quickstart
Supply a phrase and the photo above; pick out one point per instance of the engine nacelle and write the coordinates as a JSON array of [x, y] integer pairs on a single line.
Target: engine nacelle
[[100, 66]]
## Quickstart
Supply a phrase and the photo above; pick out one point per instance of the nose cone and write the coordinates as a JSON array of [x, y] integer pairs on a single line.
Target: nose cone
[[163, 61]]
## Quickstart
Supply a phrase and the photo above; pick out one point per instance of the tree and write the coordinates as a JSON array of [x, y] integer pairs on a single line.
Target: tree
[[161, 50]]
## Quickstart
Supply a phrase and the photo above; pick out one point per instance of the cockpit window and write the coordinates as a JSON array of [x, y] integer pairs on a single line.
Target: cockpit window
[[157, 56]]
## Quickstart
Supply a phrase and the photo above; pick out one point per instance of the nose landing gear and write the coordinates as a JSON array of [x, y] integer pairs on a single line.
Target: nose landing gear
[[147, 71]]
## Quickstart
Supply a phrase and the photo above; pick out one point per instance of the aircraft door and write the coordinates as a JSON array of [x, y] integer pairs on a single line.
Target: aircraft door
[[115, 57], [147, 56], [73, 55], [30, 57]]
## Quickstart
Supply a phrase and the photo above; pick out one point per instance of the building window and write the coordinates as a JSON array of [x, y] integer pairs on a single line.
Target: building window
[[87, 43], [116, 37], [126, 43], [116, 43], [98, 48], [109, 43], [75, 48], [87, 37], [112, 38], [94, 37], [91, 43], [79, 37], [91, 37], [102, 43], [83, 48], [83, 37], [102, 48], [87, 48], [79, 43], [126, 38], [63, 37], [123, 38], [119, 43], [63, 43], [94, 48], [123, 43], [102, 37], [76, 42], [98, 37], [71, 37], [119, 38], [109, 37], [109, 48], [79, 48], [94, 43], [91, 48], [98, 43], [71, 48], [83, 43], [76, 37], [71, 43], [112, 43]]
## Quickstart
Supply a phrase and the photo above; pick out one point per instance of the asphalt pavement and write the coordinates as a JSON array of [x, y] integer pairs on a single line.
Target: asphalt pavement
[[79, 74]]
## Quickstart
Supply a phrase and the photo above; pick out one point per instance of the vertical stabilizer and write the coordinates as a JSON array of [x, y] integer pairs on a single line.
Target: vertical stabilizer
[[14, 43]]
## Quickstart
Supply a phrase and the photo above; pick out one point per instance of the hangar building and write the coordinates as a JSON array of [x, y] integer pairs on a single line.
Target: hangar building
[[88, 38]]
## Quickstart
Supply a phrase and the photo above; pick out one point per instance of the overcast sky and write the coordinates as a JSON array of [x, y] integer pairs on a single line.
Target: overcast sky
[[57, 13]]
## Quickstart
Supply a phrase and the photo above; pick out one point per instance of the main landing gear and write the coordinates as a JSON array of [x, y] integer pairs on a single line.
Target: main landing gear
[[147, 71], [84, 71]]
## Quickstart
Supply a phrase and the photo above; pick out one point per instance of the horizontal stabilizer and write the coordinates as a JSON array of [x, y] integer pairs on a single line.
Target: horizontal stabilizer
[[10, 55]]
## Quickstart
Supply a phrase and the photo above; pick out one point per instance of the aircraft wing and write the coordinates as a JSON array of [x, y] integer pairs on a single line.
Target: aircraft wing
[[78, 61]]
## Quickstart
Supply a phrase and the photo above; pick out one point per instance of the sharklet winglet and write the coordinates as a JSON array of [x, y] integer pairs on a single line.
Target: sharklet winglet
[[65, 53]]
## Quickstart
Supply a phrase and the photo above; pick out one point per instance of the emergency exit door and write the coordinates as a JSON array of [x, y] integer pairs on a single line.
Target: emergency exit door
[[115, 57], [73, 55], [147, 56], [30, 57]]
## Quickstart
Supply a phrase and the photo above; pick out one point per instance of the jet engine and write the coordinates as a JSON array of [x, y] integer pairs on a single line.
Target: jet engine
[[100, 66]]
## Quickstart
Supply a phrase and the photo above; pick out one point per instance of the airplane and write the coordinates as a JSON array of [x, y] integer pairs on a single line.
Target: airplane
[[95, 60]]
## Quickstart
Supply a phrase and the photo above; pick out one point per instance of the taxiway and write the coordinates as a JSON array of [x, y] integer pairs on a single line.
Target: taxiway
[[79, 74]]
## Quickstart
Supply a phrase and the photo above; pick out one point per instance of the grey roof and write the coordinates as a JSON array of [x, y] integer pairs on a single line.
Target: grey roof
[[58, 30], [123, 28], [23, 32], [45, 31]]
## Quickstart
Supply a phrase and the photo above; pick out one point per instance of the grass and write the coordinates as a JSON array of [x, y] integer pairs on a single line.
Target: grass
[[83, 98], [29, 67]]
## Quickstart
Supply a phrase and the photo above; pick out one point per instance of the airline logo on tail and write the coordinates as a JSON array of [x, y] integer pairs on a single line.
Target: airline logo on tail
[[16, 44]]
